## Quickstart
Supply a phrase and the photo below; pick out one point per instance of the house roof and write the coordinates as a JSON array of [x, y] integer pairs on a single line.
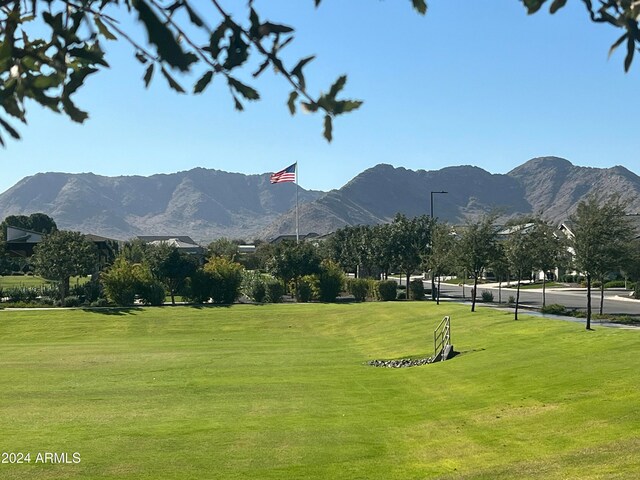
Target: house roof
[[22, 235], [175, 242], [165, 238]]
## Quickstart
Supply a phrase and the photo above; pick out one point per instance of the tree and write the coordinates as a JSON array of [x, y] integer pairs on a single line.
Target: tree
[[36, 222], [62, 255], [50, 47], [135, 250], [499, 265], [549, 252], [170, 266], [291, 261], [441, 259], [602, 238], [632, 269], [223, 247], [225, 279], [410, 239], [520, 254], [476, 248]]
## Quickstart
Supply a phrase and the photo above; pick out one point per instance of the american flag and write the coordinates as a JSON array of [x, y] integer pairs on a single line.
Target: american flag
[[286, 175]]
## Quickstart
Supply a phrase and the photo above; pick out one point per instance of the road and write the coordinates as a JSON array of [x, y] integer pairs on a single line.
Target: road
[[614, 301]]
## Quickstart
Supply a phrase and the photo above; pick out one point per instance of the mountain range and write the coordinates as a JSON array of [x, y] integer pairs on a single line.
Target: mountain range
[[207, 204]]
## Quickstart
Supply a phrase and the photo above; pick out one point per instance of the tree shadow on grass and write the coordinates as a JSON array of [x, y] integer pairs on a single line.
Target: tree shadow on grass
[[203, 306], [120, 311]]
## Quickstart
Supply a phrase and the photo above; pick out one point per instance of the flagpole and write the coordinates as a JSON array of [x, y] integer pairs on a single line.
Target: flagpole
[[297, 218]]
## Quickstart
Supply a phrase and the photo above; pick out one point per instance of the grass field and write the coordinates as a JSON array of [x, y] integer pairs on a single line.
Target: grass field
[[12, 281], [282, 391], [22, 281]]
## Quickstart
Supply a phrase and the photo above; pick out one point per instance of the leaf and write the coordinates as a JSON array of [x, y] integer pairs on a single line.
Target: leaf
[[268, 28], [161, 36], [102, 28], [43, 82], [244, 90], [293, 96], [630, 51], [141, 58], [193, 16], [203, 82], [172, 83], [309, 107], [317, 2], [90, 53], [617, 44], [9, 129], [557, 5], [262, 68], [533, 5], [297, 70], [346, 106], [254, 30], [337, 86], [328, 128], [237, 51], [74, 112], [148, 74], [420, 6], [76, 79], [214, 40], [238, 106]]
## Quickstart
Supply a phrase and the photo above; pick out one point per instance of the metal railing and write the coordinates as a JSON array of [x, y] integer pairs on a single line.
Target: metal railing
[[442, 339]]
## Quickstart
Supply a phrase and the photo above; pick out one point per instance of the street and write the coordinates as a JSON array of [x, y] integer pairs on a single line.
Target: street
[[615, 301]]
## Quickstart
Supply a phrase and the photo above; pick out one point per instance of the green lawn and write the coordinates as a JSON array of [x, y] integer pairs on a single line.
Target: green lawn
[[282, 391], [22, 281], [12, 281]]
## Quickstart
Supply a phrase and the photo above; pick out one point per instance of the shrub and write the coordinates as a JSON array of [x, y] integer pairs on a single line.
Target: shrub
[[615, 284], [88, 291], [198, 287], [152, 293], [359, 288], [416, 290], [401, 295], [305, 288], [253, 286], [101, 302], [72, 301], [226, 280], [387, 290], [120, 282], [554, 309], [275, 291], [487, 296], [511, 300], [330, 281], [47, 300]]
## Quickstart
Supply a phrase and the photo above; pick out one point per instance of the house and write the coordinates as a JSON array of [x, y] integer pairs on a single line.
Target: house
[[183, 243], [21, 242], [292, 238]]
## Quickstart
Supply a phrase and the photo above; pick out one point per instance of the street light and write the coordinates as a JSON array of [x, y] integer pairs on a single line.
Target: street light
[[433, 276]]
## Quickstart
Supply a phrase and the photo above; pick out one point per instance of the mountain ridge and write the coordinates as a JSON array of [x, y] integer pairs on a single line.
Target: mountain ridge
[[208, 203]]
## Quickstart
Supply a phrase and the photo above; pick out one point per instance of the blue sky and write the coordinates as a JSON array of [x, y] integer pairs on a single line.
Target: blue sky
[[471, 83]]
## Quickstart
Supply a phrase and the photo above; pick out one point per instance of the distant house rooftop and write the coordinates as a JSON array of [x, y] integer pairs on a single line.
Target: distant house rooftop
[[183, 243], [166, 238], [292, 237]]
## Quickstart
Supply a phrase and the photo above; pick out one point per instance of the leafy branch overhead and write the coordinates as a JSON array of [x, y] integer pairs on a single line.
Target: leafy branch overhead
[[48, 48]]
